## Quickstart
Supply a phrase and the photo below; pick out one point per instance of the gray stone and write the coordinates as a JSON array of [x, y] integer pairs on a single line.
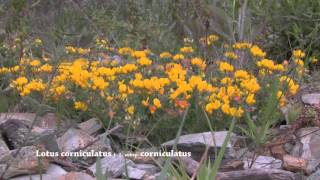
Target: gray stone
[[75, 176], [24, 163], [314, 176], [155, 176], [311, 99], [244, 153], [18, 134], [150, 168], [263, 162], [26, 117], [91, 126], [47, 121], [196, 144], [112, 166], [308, 146], [53, 172], [257, 174], [36, 177], [75, 140], [312, 166], [3, 145], [54, 169], [134, 173]]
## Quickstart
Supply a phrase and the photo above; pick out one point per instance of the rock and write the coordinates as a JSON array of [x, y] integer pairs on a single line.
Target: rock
[[263, 162], [142, 159], [24, 163], [314, 176], [134, 173], [112, 166], [54, 169], [256, 174], [243, 153], [26, 117], [278, 151], [47, 121], [308, 146], [150, 168], [288, 147], [76, 176], [17, 133], [188, 163], [155, 176], [36, 177], [76, 140], [312, 166], [233, 165], [196, 144], [92, 126], [3, 145], [311, 99], [294, 164], [53, 172]]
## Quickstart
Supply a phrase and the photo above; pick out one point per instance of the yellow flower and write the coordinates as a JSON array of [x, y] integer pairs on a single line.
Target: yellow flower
[[241, 74], [70, 49], [299, 62], [298, 54], [250, 85], [78, 105], [139, 54], [20, 81], [125, 51], [186, 50], [144, 61], [250, 100], [145, 103], [60, 90], [209, 40], [198, 62], [231, 55], [226, 81], [35, 63], [83, 51], [178, 57], [165, 55], [130, 109], [257, 52], [225, 67], [242, 45], [46, 68], [122, 88], [157, 102], [210, 107], [99, 83], [314, 60], [38, 41]]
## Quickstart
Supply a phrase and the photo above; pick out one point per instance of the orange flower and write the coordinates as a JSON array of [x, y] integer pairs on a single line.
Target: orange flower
[[152, 109], [182, 103]]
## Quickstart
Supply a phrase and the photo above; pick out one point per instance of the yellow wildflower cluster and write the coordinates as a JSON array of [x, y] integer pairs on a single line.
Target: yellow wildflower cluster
[[74, 50], [131, 80], [78, 105], [209, 40], [199, 63], [25, 88], [257, 52], [231, 55], [242, 45], [186, 50]]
